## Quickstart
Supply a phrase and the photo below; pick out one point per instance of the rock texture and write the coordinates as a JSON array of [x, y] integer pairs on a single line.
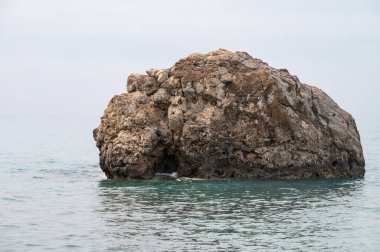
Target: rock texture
[[226, 115]]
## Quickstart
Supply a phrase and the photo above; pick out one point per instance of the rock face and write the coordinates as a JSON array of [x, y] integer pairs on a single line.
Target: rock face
[[226, 115]]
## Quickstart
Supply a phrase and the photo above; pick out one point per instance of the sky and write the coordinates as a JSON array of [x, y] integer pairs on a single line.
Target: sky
[[70, 57]]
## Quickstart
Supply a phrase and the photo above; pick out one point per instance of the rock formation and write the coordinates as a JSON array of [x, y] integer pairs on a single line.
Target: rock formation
[[226, 115]]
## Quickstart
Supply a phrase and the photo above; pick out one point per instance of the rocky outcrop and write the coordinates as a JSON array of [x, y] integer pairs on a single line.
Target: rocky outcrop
[[226, 115]]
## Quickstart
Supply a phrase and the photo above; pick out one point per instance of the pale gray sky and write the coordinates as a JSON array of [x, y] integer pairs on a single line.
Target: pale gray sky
[[70, 57]]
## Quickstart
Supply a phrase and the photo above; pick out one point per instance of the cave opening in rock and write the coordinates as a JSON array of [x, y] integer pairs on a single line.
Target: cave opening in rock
[[167, 164]]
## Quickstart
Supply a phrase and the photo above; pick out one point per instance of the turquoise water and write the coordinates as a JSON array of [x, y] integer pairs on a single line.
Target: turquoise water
[[54, 197]]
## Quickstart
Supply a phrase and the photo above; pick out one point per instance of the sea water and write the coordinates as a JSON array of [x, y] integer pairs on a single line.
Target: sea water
[[54, 197]]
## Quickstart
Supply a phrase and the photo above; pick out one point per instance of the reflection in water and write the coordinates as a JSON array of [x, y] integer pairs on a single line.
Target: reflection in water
[[232, 215]]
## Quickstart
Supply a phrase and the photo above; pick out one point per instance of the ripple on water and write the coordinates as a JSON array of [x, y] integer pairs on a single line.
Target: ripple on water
[[255, 213]]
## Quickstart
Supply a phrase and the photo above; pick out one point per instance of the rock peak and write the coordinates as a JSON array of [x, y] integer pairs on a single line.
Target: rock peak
[[227, 115]]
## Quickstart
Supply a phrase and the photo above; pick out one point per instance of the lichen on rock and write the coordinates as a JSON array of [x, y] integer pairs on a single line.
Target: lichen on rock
[[226, 115]]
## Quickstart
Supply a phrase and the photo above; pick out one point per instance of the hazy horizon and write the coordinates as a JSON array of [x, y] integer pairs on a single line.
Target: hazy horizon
[[71, 57]]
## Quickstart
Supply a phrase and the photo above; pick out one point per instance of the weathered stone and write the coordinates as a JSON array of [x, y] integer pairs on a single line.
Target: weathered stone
[[188, 89], [226, 115], [162, 76], [135, 82], [152, 72], [251, 63], [139, 82], [226, 78], [161, 97]]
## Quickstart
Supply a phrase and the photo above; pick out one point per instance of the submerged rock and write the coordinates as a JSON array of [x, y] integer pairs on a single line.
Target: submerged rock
[[226, 115]]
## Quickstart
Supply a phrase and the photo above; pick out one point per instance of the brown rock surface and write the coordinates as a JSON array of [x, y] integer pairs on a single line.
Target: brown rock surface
[[226, 115]]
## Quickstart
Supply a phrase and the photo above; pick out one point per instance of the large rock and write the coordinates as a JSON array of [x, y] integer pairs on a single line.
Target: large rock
[[226, 115]]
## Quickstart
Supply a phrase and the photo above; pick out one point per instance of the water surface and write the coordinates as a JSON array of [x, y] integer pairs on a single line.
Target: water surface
[[54, 197]]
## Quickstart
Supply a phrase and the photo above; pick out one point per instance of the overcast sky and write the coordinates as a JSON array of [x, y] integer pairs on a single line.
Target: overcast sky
[[71, 57]]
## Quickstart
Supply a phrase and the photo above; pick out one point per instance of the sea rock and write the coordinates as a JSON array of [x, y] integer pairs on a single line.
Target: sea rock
[[226, 115]]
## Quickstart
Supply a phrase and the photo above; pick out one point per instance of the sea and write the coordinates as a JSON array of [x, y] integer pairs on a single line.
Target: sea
[[54, 197]]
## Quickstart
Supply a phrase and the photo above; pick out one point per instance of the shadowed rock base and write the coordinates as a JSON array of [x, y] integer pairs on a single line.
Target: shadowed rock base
[[226, 115]]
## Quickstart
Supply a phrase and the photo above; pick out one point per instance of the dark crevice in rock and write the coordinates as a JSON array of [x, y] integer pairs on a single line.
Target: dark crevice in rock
[[167, 164]]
